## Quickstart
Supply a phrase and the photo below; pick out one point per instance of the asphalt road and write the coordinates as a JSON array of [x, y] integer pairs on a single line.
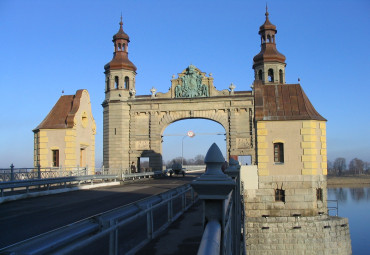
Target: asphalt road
[[22, 219]]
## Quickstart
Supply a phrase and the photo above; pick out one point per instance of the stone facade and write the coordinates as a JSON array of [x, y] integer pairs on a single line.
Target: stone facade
[[286, 205], [298, 235], [66, 137], [137, 132], [275, 123], [134, 124]]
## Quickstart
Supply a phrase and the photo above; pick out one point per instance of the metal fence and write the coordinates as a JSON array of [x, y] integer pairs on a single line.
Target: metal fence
[[123, 230], [333, 206], [18, 174], [16, 189], [222, 203]]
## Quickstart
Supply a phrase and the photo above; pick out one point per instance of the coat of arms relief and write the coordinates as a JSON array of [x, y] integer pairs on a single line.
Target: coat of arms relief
[[192, 85]]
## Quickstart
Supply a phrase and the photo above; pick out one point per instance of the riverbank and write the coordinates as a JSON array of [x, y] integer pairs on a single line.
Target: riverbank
[[348, 181]]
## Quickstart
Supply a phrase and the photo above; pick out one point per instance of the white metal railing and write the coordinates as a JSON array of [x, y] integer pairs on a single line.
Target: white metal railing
[[108, 232], [17, 188], [17, 174]]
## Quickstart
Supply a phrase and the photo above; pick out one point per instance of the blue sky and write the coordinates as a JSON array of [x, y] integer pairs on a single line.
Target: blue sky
[[50, 46]]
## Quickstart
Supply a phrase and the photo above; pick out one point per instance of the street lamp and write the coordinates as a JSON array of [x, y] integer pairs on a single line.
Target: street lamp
[[190, 134]]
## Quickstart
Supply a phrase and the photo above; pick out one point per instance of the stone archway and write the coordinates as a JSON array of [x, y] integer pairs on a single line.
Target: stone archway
[[192, 95]]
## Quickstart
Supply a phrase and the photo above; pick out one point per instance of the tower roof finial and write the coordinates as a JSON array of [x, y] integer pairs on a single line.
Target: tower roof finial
[[267, 13], [121, 23]]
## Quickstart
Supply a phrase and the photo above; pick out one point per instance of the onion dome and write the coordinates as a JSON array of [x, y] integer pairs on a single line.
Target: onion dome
[[120, 56], [268, 52], [121, 34]]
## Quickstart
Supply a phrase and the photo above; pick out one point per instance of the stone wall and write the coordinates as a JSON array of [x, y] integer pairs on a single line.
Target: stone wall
[[293, 235], [300, 196]]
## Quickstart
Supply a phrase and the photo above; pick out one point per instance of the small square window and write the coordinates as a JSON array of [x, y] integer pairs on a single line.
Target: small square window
[[280, 195]]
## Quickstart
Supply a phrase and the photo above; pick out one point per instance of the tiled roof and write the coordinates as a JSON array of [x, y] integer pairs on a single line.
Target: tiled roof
[[283, 102], [63, 113]]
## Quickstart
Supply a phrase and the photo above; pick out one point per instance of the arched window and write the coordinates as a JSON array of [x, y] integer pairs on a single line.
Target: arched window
[[127, 82], [116, 82], [271, 75], [278, 152], [119, 47], [108, 85], [260, 75], [281, 76], [268, 38], [263, 39], [123, 47]]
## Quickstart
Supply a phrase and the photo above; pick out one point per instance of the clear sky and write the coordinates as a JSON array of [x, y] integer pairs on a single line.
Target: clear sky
[[50, 46]]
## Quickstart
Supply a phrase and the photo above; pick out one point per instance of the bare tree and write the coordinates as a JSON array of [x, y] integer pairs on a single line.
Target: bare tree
[[199, 159], [367, 167], [176, 160], [356, 166], [330, 167], [339, 165]]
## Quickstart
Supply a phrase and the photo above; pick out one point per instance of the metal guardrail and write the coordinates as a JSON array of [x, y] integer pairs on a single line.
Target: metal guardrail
[[140, 175], [18, 174], [333, 206], [25, 185], [221, 197], [211, 239], [105, 233]]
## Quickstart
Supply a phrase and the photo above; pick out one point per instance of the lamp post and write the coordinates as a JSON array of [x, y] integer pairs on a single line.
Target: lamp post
[[190, 134]]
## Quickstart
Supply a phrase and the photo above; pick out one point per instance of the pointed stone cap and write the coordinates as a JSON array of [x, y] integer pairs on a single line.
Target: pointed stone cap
[[234, 168], [214, 160], [213, 184]]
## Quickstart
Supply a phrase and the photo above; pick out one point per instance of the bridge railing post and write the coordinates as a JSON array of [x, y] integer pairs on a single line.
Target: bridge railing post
[[38, 171], [215, 189], [234, 172], [113, 239]]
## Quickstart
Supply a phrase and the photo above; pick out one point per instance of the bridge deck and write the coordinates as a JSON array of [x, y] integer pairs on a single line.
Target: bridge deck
[[23, 219]]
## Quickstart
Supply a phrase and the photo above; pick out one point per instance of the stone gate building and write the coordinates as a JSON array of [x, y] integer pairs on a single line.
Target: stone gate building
[[133, 125], [285, 191]]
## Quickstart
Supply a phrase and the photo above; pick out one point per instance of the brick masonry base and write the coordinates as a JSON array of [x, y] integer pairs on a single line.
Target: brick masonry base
[[293, 235]]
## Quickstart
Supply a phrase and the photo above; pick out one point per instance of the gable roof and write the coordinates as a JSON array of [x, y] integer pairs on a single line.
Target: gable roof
[[283, 102], [63, 113]]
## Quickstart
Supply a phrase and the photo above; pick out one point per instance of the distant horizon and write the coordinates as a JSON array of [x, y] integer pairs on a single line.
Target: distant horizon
[[50, 46]]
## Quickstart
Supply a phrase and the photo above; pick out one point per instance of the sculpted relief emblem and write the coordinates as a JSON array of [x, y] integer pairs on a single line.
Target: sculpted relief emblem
[[191, 85], [243, 143], [142, 145]]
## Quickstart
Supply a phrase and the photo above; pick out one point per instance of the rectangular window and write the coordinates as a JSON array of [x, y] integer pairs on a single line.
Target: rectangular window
[[278, 152], [55, 158], [82, 157], [319, 194], [280, 195]]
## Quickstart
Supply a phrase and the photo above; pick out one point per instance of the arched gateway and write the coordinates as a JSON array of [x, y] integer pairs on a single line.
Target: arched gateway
[[133, 125], [275, 123]]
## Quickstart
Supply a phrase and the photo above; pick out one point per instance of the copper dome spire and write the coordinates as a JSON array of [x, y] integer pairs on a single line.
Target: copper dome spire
[[121, 34], [268, 44], [120, 57]]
